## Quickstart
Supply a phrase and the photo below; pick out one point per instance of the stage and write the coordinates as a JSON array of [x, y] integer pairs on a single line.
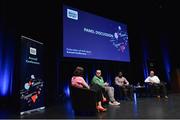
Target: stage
[[145, 107]]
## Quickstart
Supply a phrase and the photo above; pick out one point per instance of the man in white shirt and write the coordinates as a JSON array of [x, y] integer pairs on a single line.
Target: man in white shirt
[[154, 83], [124, 86]]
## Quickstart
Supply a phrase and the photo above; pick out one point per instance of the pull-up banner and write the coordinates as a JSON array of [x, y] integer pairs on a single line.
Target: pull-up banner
[[31, 76]]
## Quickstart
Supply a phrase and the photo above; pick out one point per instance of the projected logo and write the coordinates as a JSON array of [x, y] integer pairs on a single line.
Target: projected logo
[[120, 40], [32, 51], [31, 91], [72, 14]]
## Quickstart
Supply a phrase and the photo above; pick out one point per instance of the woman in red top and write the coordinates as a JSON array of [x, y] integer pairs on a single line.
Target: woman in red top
[[78, 81]]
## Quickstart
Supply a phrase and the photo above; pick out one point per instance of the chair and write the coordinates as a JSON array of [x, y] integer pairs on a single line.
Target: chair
[[83, 100], [151, 90], [118, 93]]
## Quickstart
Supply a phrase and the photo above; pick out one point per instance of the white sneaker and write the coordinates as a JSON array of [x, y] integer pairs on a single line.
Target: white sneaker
[[111, 103], [117, 103], [114, 103]]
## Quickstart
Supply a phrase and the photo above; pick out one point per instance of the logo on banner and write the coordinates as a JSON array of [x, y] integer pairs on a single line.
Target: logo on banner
[[72, 14], [32, 51]]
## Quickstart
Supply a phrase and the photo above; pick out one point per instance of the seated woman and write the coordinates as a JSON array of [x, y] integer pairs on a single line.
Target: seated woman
[[79, 82]]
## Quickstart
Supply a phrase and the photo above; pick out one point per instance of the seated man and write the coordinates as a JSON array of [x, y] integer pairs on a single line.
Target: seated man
[[154, 83], [124, 86], [98, 80]]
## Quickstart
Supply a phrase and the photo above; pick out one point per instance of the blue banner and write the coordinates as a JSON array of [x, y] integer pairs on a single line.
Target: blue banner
[[32, 82]]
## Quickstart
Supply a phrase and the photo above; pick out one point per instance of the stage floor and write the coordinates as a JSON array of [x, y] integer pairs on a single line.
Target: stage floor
[[140, 108]]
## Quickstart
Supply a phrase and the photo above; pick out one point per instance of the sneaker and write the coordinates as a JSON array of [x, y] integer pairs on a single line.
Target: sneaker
[[114, 103], [111, 103], [166, 97], [117, 103]]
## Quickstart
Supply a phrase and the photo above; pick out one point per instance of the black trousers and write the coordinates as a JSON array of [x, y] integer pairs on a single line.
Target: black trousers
[[158, 89], [99, 91], [127, 91]]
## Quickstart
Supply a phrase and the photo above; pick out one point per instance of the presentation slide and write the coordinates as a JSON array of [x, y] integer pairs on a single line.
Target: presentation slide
[[86, 35]]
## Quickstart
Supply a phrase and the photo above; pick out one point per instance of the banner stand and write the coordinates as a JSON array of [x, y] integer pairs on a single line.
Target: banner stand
[[30, 111], [31, 76]]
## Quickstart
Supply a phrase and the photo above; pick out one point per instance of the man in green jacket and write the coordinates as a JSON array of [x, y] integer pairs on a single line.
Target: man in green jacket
[[98, 79]]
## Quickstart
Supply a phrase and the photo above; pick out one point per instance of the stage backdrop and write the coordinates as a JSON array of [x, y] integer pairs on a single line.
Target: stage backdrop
[[32, 82]]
